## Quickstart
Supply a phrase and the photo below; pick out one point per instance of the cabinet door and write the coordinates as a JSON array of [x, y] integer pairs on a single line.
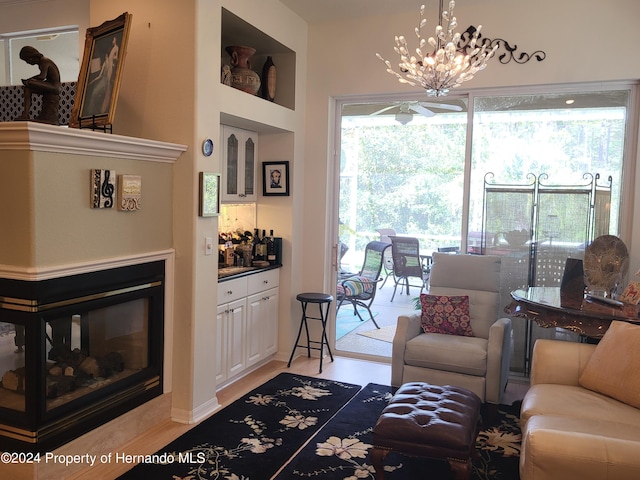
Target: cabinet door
[[220, 353], [262, 325], [270, 326], [239, 155], [255, 317], [236, 328]]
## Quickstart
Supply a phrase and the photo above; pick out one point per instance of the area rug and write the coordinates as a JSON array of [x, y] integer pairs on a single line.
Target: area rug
[[346, 321], [254, 436], [384, 334], [341, 449]]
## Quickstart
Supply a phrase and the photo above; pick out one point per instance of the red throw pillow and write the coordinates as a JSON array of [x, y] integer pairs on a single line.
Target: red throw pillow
[[446, 314]]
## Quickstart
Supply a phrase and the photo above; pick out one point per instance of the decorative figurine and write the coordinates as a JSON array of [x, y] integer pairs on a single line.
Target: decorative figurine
[[46, 83]]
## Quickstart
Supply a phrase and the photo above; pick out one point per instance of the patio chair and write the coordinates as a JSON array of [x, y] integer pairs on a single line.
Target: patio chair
[[360, 289], [388, 259], [407, 263]]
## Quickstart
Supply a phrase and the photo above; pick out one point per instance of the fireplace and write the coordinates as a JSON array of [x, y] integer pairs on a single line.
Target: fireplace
[[78, 351]]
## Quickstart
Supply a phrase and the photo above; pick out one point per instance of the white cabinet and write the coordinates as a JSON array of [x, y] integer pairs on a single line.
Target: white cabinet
[[262, 321], [239, 155], [231, 330], [247, 323]]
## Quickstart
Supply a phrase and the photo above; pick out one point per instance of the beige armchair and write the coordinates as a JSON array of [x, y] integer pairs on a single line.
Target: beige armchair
[[479, 363]]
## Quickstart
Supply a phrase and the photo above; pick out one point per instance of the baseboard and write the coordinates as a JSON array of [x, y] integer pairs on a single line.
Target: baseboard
[[194, 416]]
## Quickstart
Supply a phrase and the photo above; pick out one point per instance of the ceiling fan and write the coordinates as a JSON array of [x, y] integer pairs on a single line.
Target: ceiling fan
[[406, 110]]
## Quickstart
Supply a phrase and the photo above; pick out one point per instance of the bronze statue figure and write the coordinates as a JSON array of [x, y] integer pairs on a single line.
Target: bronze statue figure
[[46, 83]]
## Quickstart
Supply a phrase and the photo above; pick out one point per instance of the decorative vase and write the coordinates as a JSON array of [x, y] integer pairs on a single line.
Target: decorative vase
[[242, 77], [269, 80]]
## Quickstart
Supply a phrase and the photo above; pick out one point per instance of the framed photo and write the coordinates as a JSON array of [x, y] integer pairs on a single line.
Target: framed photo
[[129, 192], [100, 74], [631, 293], [275, 179], [209, 194]]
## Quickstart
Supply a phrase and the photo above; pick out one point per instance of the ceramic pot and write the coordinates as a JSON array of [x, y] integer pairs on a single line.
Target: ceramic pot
[[242, 77]]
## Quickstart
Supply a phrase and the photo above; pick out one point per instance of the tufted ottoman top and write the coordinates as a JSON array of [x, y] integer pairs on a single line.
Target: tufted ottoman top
[[429, 421]]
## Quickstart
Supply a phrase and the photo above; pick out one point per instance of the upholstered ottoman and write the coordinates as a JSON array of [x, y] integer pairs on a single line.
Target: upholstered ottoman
[[423, 420]]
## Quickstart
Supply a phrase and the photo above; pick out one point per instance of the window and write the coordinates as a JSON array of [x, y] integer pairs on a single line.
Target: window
[[59, 44], [419, 167]]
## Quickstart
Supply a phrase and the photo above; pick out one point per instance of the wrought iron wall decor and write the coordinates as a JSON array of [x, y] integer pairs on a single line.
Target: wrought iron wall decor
[[503, 58]]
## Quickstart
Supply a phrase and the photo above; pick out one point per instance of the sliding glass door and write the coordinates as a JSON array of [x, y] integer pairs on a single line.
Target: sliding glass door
[[421, 168]]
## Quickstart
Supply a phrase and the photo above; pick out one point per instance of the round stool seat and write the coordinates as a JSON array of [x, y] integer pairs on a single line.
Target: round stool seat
[[314, 297]]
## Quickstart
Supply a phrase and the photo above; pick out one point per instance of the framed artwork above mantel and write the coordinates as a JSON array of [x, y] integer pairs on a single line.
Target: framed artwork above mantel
[[101, 73]]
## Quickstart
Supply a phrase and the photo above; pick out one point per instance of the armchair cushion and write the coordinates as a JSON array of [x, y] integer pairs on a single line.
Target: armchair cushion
[[614, 366], [445, 314], [434, 351]]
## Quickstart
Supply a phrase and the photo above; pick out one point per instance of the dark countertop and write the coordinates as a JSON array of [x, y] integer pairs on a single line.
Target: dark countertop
[[229, 273]]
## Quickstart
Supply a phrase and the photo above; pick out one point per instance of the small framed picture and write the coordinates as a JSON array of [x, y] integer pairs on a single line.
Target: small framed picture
[[129, 192], [209, 194], [275, 179], [631, 294]]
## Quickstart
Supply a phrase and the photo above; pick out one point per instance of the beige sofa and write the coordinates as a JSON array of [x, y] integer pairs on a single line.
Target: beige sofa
[[570, 432]]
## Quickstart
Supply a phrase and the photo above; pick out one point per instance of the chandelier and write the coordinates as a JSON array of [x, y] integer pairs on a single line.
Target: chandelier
[[448, 64]]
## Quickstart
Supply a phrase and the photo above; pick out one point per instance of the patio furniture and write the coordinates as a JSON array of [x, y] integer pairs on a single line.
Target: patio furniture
[[387, 265], [407, 263], [360, 290]]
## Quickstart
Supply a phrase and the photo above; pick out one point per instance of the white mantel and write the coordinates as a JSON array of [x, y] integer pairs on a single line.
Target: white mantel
[[42, 137]]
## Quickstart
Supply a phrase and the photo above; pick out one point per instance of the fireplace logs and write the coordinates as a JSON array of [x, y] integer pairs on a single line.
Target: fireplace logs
[[14, 380], [71, 369]]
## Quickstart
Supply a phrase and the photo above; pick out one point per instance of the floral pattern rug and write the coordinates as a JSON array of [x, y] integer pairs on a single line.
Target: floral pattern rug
[[254, 436], [297, 427], [340, 450]]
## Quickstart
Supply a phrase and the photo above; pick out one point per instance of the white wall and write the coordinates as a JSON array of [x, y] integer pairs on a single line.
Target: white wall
[[585, 41]]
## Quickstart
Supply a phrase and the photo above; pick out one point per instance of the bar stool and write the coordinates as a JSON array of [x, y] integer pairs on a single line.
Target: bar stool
[[321, 299]]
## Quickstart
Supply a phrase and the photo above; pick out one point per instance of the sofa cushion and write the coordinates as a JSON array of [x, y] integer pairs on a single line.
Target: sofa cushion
[[614, 366], [576, 402], [434, 350], [560, 447], [445, 314]]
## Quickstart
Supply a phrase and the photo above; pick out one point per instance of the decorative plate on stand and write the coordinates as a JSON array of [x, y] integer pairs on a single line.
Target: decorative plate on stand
[[606, 261]]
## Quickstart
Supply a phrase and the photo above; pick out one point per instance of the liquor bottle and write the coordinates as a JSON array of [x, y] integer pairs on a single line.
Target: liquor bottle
[[262, 247], [271, 248], [255, 242]]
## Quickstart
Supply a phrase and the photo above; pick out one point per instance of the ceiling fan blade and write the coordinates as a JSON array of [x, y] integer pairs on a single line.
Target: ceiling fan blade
[[422, 110], [382, 110], [443, 106]]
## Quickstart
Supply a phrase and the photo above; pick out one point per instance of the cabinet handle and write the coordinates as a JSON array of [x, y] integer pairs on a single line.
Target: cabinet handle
[[230, 292], [231, 310], [265, 281]]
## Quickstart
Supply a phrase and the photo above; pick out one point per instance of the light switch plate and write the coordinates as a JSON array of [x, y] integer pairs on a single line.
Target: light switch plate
[[208, 245]]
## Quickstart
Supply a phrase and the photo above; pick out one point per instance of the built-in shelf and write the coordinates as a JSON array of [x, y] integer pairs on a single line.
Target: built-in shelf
[[236, 31]]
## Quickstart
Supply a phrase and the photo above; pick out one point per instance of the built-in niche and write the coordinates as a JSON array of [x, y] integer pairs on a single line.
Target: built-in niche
[[235, 31]]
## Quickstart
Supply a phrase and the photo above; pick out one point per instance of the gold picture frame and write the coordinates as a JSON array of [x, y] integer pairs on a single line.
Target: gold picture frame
[[100, 74]]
